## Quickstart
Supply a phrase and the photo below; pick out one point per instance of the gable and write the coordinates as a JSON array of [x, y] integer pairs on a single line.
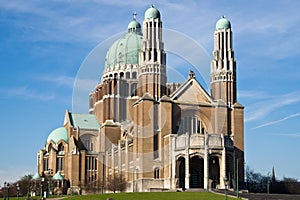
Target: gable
[[191, 92]]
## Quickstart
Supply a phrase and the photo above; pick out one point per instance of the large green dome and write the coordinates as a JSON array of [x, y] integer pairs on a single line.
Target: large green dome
[[124, 51], [152, 12], [223, 23], [58, 134]]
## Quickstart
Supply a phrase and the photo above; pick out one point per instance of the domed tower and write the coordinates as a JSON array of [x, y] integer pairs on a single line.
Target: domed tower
[[152, 70], [118, 87], [223, 87], [223, 65]]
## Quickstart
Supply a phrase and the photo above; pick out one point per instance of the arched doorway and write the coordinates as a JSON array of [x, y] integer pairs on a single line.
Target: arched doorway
[[214, 171], [230, 170], [180, 171], [196, 172]]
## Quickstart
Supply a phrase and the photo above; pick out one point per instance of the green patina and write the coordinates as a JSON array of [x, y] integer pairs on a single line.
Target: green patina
[[223, 23], [152, 12], [36, 177], [57, 135], [58, 176], [85, 121], [125, 50]]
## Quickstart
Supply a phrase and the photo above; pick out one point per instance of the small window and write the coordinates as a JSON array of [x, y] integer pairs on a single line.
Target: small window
[[127, 75], [134, 75], [156, 173]]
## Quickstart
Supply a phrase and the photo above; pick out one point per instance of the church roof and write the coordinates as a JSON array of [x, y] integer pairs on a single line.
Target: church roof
[[58, 176], [152, 12], [191, 91], [36, 176], [124, 50], [84, 121], [58, 134], [223, 23]]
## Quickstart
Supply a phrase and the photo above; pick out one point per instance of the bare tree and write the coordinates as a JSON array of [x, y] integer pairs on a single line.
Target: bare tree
[[116, 183]]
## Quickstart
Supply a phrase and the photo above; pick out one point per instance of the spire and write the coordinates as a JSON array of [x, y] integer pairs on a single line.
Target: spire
[[134, 16], [273, 175]]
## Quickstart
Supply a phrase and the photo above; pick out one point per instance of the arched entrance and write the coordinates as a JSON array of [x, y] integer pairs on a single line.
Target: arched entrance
[[196, 172], [180, 172], [214, 171]]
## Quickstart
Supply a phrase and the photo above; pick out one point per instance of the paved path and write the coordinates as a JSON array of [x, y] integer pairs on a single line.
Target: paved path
[[252, 196]]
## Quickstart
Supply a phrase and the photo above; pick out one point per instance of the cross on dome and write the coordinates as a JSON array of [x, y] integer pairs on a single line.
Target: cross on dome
[[134, 15]]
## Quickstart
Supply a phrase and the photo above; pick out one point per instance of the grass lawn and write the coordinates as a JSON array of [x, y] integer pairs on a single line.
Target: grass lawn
[[145, 196], [153, 196]]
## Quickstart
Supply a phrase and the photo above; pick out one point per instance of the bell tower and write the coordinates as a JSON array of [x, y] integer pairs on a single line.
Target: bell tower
[[152, 58], [223, 65]]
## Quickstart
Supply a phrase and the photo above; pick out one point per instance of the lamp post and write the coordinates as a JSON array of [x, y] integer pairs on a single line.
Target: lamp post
[[7, 191], [237, 178], [225, 181], [4, 190], [49, 182], [18, 190], [42, 181]]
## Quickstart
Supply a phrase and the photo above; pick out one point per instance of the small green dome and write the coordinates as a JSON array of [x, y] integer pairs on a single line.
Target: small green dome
[[36, 176], [152, 12], [58, 134], [223, 23], [134, 25], [124, 50]]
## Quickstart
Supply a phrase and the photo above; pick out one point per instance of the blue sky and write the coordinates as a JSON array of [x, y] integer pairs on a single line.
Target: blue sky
[[43, 44]]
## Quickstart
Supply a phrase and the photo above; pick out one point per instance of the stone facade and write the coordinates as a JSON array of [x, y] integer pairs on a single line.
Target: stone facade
[[158, 135]]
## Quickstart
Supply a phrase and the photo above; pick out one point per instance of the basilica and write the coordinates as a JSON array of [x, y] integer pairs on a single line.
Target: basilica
[[156, 134]]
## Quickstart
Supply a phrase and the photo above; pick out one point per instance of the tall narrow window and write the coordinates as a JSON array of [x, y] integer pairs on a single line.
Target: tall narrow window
[[133, 89], [45, 164], [155, 146], [60, 164]]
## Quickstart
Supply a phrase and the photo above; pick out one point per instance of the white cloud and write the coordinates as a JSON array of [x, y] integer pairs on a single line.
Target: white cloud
[[278, 121], [262, 108], [26, 93], [60, 80], [289, 134]]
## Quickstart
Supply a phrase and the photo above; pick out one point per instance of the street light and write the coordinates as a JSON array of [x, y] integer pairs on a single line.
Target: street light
[[4, 189], [49, 182], [18, 190], [237, 178], [7, 191], [225, 181], [42, 181]]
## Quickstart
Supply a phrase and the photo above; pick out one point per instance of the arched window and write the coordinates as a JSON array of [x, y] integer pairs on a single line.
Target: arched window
[[122, 75], [133, 89], [156, 173], [134, 75], [127, 75], [60, 147]]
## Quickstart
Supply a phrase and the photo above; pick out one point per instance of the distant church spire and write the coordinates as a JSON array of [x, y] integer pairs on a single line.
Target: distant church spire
[[273, 175]]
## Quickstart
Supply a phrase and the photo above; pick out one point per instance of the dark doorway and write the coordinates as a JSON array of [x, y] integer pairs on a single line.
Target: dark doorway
[[181, 172], [214, 171], [196, 172]]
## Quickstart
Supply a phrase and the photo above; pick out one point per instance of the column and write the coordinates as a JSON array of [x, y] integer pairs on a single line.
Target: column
[[206, 163], [187, 169], [223, 169]]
